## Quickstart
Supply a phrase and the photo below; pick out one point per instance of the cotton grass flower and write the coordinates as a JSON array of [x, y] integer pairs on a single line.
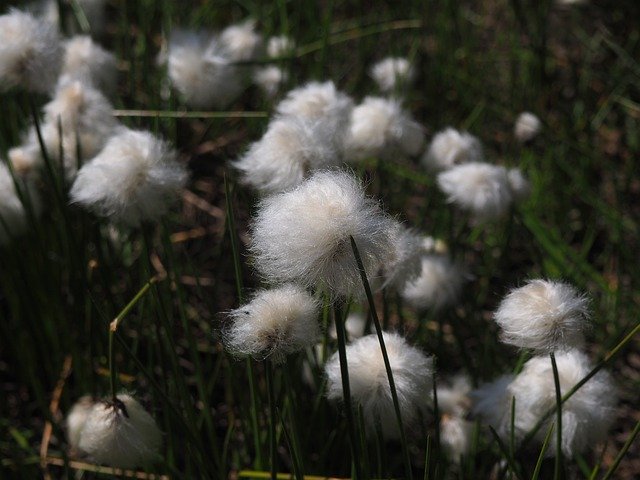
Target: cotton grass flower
[[543, 315], [76, 420], [241, 41], [280, 46], [288, 152], [586, 416], [492, 400], [409, 247], [453, 396], [274, 324], [133, 179], [451, 147], [303, 235], [30, 52], [520, 186], [438, 285], [120, 434], [13, 214], [270, 79], [527, 127], [88, 62], [379, 127], [354, 326], [200, 69], [392, 72], [456, 434], [412, 373], [481, 189], [317, 101]]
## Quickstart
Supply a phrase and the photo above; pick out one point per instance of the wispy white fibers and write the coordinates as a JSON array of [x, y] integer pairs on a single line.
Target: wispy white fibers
[[303, 235], [133, 179], [543, 315], [409, 247], [270, 79], [241, 41], [453, 395], [438, 285], [586, 416], [451, 147], [30, 52], [288, 152], [120, 434], [454, 404], [492, 401], [520, 186], [354, 326], [76, 420], [380, 127], [13, 215], [200, 68], [280, 46], [527, 127], [481, 189], [82, 115], [412, 374], [317, 101], [88, 62], [392, 72], [274, 324]]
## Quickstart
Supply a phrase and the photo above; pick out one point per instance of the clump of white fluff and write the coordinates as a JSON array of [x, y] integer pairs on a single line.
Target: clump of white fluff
[[451, 147], [491, 400], [439, 284], [200, 69], [274, 324], [354, 326], [481, 189], [270, 79], [120, 434], [13, 214], [409, 247], [453, 395], [527, 127], [303, 235], [456, 434], [76, 420], [392, 72], [520, 186], [241, 41], [79, 116], [87, 61], [288, 152], [412, 373], [30, 52], [380, 127], [586, 416], [280, 46], [133, 179], [543, 315]]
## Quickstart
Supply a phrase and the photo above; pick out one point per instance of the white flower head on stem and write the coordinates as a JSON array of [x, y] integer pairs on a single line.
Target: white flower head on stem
[[481, 189], [280, 46], [392, 72], [120, 434], [456, 434], [380, 127], [87, 61], [543, 315], [200, 69], [407, 265], [30, 52], [453, 396], [412, 374], [438, 285], [13, 213], [241, 41], [133, 179], [270, 79], [274, 324], [520, 186], [527, 127], [288, 152], [76, 420], [586, 416], [451, 147], [303, 235]]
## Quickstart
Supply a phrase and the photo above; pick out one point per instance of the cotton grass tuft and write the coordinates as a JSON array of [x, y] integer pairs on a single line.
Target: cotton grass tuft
[[451, 147], [392, 72]]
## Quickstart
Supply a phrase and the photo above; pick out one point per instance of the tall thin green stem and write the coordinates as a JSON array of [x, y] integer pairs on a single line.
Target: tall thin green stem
[[273, 447]]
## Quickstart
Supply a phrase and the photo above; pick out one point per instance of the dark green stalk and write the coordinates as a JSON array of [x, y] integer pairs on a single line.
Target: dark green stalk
[[556, 380], [273, 447]]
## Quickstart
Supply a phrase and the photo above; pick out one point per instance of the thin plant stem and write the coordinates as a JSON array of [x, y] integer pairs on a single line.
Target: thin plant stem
[[556, 380], [385, 356], [273, 447], [622, 452]]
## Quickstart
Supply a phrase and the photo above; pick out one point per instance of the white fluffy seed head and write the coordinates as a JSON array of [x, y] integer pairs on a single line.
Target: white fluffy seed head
[[586, 416], [451, 147], [133, 179], [303, 235], [520, 186], [30, 52], [481, 189], [380, 127], [456, 434], [409, 249], [543, 315], [13, 214], [453, 396], [392, 72], [76, 420], [120, 434], [270, 79], [241, 41], [412, 373], [200, 69], [491, 401], [88, 62], [354, 326], [288, 152], [438, 285], [274, 324], [280, 46], [527, 127]]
